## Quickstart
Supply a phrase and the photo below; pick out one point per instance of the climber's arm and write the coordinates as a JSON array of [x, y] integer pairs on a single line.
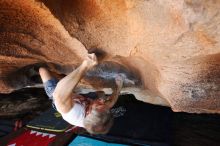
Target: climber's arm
[[64, 90], [112, 99]]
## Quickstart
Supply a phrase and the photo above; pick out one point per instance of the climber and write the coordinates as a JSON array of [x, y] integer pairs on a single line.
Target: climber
[[92, 114]]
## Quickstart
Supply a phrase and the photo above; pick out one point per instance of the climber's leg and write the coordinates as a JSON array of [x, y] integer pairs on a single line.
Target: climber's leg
[[49, 81]]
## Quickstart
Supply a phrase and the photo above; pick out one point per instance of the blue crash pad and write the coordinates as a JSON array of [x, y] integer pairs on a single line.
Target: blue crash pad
[[81, 140]]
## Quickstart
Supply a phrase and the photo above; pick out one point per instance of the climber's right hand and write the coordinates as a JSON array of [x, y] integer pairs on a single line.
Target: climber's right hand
[[90, 61]]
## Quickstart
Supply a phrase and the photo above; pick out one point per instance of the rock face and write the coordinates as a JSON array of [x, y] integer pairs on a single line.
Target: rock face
[[168, 50]]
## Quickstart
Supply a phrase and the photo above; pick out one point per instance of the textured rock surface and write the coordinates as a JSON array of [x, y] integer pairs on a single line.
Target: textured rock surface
[[168, 48], [24, 102]]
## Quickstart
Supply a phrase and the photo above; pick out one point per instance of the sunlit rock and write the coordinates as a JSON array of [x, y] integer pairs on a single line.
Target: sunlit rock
[[168, 50]]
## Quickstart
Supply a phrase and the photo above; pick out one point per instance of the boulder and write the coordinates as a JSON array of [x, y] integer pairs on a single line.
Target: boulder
[[168, 50]]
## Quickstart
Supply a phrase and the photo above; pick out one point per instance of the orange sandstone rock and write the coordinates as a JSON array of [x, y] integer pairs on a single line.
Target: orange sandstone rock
[[168, 50]]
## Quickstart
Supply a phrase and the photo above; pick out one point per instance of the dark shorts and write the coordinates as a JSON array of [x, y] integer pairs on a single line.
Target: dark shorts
[[49, 87]]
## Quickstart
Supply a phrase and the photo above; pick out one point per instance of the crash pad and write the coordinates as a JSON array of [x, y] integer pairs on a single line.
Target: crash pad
[[82, 140], [33, 138], [139, 123], [50, 120], [29, 137]]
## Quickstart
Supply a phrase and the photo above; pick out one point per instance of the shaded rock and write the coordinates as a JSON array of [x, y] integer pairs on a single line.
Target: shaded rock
[[24, 102]]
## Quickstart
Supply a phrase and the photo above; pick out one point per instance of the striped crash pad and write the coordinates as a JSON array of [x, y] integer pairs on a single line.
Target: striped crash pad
[[85, 141], [28, 137], [32, 138]]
